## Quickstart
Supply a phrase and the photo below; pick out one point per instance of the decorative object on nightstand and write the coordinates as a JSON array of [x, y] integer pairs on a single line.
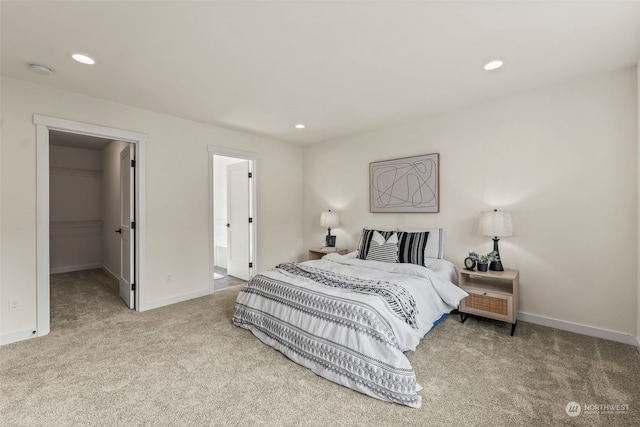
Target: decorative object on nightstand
[[469, 263], [481, 261], [496, 224], [329, 220], [492, 294]]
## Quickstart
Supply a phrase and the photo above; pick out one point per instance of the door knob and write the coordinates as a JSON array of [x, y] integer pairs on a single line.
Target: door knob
[[119, 230]]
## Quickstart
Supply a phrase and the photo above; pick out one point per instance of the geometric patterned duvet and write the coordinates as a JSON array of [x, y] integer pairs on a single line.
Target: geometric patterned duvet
[[321, 315]]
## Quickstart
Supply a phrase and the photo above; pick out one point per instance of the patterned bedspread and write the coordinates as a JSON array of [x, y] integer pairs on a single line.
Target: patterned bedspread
[[398, 298], [348, 323]]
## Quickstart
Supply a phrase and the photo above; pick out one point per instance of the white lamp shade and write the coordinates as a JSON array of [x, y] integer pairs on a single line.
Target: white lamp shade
[[328, 219], [497, 224]]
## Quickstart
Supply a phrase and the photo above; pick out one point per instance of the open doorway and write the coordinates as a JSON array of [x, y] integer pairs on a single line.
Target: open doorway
[[91, 206], [232, 218], [77, 213], [85, 203], [132, 143]]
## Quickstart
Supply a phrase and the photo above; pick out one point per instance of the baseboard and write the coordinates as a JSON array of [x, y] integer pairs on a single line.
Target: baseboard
[[111, 273], [144, 306], [18, 336], [116, 279], [71, 268], [579, 329]]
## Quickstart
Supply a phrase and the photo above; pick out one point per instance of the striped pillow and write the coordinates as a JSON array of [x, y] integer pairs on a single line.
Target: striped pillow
[[365, 241], [434, 248], [411, 247], [381, 250]]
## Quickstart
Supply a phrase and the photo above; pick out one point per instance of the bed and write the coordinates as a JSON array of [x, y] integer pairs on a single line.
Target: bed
[[351, 318]]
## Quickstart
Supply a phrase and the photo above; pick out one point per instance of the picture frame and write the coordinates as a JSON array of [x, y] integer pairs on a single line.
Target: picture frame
[[408, 185], [331, 241]]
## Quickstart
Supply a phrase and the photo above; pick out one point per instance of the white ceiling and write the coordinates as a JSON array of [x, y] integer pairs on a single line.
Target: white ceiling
[[339, 67]]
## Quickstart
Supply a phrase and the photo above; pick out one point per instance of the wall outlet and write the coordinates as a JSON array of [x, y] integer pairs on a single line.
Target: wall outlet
[[169, 277], [14, 304]]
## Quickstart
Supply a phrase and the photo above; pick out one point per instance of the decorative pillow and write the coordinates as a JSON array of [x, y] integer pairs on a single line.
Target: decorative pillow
[[434, 248], [365, 240], [412, 247], [381, 250]]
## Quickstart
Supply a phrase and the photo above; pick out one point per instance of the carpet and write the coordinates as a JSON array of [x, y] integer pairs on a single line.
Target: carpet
[[187, 365]]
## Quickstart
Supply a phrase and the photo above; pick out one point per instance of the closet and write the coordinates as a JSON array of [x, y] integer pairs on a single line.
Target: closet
[[84, 203], [75, 212]]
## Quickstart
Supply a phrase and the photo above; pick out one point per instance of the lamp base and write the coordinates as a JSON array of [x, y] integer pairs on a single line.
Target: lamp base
[[496, 266]]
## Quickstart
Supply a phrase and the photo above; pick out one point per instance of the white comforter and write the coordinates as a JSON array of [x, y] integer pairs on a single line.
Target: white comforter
[[352, 338], [434, 294]]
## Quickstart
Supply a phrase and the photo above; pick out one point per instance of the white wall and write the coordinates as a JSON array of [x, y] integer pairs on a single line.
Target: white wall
[[177, 194], [638, 163], [75, 184], [111, 206], [563, 159]]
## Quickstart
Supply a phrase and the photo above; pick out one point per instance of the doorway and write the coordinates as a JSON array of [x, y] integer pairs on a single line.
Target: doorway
[[90, 206], [44, 125], [233, 221]]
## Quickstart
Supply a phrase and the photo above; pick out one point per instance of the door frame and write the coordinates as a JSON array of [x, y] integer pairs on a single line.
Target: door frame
[[44, 124], [253, 158]]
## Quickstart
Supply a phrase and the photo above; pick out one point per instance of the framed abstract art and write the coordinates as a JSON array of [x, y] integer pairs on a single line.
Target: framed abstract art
[[409, 184]]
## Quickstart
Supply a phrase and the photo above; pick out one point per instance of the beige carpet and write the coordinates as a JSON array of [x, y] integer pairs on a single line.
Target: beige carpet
[[186, 364]]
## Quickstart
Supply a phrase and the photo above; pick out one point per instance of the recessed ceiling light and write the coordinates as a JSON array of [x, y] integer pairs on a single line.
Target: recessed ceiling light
[[300, 126], [40, 69], [493, 65], [83, 58]]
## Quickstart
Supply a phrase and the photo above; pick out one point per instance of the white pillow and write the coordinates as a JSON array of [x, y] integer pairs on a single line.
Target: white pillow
[[359, 247], [377, 237], [434, 248], [381, 250]]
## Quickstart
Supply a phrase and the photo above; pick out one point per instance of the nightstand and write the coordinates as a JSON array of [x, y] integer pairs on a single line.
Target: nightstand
[[492, 294], [319, 253]]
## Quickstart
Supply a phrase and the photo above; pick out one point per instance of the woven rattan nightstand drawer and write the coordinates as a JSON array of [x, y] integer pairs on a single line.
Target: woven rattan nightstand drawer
[[494, 306]]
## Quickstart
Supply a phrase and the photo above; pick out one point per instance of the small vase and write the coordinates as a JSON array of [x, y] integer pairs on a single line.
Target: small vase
[[483, 267]]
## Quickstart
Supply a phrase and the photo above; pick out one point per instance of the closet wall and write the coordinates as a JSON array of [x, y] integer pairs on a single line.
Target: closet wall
[[75, 208], [85, 207]]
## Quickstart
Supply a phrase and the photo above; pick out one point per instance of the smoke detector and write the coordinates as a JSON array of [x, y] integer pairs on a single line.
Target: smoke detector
[[40, 69]]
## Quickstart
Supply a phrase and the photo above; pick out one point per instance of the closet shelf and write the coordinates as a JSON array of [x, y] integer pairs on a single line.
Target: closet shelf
[[75, 172], [76, 223], [75, 229]]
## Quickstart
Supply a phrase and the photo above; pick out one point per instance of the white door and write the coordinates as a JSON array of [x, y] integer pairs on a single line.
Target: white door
[[238, 226], [126, 231]]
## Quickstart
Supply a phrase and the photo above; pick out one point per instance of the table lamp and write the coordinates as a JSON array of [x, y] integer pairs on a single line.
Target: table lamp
[[496, 224], [329, 219]]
